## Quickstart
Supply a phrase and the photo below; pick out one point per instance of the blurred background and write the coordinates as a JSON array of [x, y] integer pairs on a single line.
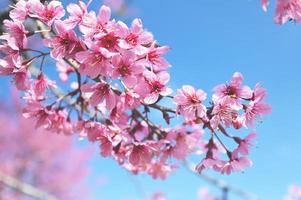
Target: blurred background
[[210, 40]]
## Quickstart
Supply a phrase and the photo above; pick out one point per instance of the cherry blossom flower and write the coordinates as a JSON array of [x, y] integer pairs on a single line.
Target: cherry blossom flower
[[101, 92], [95, 62], [47, 13], [65, 44], [189, 102], [125, 66], [156, 86], [134, 37], [77, 12], [155, 59], [17, 35]]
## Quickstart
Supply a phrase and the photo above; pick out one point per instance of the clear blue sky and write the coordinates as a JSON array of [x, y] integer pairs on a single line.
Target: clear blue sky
[[211, 39]]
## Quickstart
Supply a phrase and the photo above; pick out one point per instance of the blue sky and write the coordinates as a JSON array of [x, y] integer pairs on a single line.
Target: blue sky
[[210, 40]]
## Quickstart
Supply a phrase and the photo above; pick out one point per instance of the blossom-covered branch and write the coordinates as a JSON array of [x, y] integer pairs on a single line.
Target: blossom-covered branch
[[116, 78]]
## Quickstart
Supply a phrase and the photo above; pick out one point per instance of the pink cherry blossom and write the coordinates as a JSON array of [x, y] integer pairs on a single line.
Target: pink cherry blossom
[[92, 25], [95, 62], [77, 12], [156, 86], [101, 92], [125, 66], [65, 44], [47, 13], [41, 84], [135, 36], [155, 58], [189, 102], [234, 90], [256, 107], [17, 35]]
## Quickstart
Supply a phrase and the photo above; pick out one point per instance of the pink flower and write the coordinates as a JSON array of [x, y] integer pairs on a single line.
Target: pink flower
[[125, 66], [288, 10], [223, 112], [77, 12], [92, 24], [21, 11], [256, 107], [189, 102], [141, 154], [207, 163], [101, 92], [135, 36], [185, 143], [65, 44], [108, 40], [156, 86], [235, 90], [41, 84], [244, 144], [95, 62], [236, 164], [155, 59], [16, 39], [47, 13], [39, 113]]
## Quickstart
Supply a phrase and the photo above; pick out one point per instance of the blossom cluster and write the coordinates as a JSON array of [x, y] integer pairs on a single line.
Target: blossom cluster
[[286, 10], [116, 77]]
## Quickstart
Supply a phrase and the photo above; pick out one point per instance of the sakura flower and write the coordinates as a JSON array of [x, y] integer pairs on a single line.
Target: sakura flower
[[39, 113], [155, 59], [141, 154], [244, 144], [77, 12], [134, 37], [125, 66], [21, 11], [156, 86], [92, 24], [47, 13], [234, 90], [288, 10], [256, 107], [95, 62], [236, 164], [101, 92], [16, 39], [41, 84], [65, 43], [189, 102], [224, 112], [184, 143]]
